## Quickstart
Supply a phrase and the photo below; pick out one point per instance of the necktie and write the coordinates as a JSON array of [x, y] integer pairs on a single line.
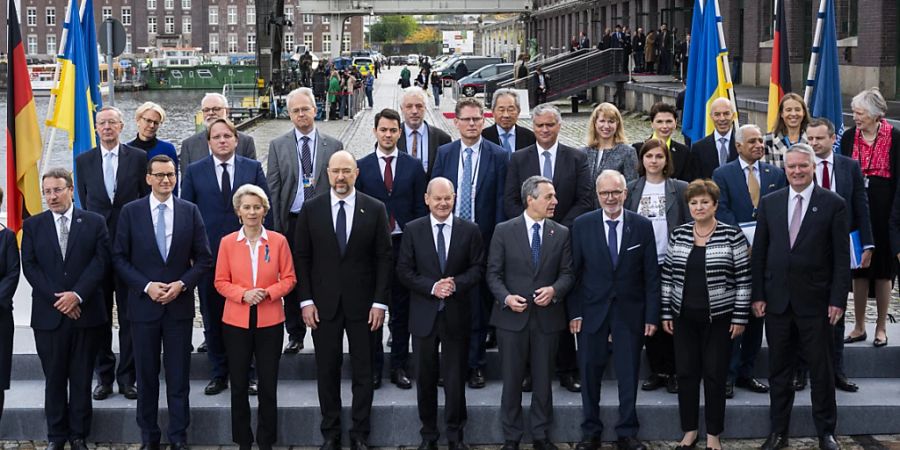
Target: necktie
[[63, 235], [389, 181], [226, 185], [340, 228], [612, 241], [442, 256], [109, 176], [796, 218], [826, 177], [753, 185], [161, 230], [548, 166], [306, 162], [506, 145], [536, 245], [415, 144], [465, 190], [723, 151]]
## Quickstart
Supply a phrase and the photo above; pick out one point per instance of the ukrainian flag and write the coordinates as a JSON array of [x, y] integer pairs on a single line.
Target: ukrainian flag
[[89, 35], [706, 71]]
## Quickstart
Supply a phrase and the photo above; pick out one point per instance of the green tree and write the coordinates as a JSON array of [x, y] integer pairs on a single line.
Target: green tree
[[393, 28]]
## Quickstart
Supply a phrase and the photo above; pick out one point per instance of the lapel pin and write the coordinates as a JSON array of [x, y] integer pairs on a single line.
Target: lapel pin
[[551, 232], [362, 211], [78, 220], [815, 209]]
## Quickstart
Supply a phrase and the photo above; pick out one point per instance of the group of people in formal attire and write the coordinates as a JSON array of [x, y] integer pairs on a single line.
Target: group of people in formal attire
[[606, 249]]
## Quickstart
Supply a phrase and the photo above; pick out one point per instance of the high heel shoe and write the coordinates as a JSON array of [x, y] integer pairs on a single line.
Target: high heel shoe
[[688, 447]]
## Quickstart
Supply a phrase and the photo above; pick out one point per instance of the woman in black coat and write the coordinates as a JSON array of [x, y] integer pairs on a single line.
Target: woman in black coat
[[9, 280]]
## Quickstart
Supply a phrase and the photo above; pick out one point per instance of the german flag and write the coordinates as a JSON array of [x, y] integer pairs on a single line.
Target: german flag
[[23, 135], [780, 79]]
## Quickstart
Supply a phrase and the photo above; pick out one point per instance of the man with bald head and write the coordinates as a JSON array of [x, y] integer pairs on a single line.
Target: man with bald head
[[214, 106], [343, 235], [720, 146], [441, 262], [417, 137]]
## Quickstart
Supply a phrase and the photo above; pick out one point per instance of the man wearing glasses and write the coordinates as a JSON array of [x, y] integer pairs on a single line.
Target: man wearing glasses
[[214, 106], [109, 177]]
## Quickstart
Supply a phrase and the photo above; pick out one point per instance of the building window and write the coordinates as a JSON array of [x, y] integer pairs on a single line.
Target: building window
[[232, 15], [169, 4], [105, 13], [251, 43], [847, 12], [127, 43], [51, 16], [345, 44], [31, 17], [185, 5], [767, 12], [308, 19], [126, 15], [214, 42], [308, 41], [232, 43], [170, 25], [326, 20], [151, 5], [326, 42], [185, 24], [151, 25], [51, 44], [251, 14], [289, 13], [31, 44], [289, 42], [214, 16]]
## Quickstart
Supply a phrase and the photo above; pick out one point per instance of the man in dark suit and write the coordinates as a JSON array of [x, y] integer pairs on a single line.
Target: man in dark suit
[[213, 106], [343, 236], [739, 196], [417, 137], [161, 274], [529, 273], [209, 184], [108, 177], [397, 180], [296, 173], [843, 176], [568, 169], [720, 146], [614, 305], [506, 132], [584, 42], [442, 263], [663, 121], [478, 167], [65, 257], [800, 283]]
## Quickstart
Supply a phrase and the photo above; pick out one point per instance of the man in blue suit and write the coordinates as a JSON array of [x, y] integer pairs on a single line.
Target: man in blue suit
[[477, 167], [65, 256], [208, 183], [161, 273], [398, 180], [617, 294], [743, 182], [108, 177]]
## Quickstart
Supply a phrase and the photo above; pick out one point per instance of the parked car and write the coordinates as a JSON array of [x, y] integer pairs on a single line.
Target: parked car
[[474, 83], [412, 59], [363, 63], [473, 63]]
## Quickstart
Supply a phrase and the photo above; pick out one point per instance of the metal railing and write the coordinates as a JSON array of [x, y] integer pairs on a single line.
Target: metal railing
[[491, 83]]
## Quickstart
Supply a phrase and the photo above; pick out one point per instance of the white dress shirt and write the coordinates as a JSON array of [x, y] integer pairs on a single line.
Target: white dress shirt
[[792, 202], [421, 143], [313, 137], [529, 224], [744, 166], [619, 228], [540, 150], [254, 249], [115, 159], [229, 165], [68, 216], [381, 165], [447, 232], [476, 159], [168, 216], [820, 166]]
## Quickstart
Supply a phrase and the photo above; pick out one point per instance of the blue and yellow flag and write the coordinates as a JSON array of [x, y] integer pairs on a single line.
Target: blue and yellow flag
[[706, 79], [89, 35]]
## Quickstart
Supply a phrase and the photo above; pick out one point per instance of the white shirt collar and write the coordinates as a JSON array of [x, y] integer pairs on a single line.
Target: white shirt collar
[[298, 135], [263, 236], [67, 214], [830, 159], [422, 130], [435, 222], [350, 200], [618, 219], [552, 148], [104, 150], [529, 222], [720, 136], [806, 193], [229, 161], [501, 131], [381, 154], [475, 147], [745, 165], [154, 203]]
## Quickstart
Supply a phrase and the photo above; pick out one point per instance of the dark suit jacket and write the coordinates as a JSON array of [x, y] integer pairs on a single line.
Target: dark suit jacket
[[735, 206], [200, 187], [634, 283], [524, 136], [82, 271], [406, 201], [10, 266], [418, 270], [851, 186], [138, 262], [814, 273], [571, 178], [682, 158], [677, 212], [489, 184], [131, 182], [436, 138], [196, 147], [706, 152], [510, 270], [351, 282]]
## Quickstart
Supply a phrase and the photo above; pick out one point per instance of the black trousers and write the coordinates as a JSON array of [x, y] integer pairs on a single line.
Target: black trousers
[[242, 345], [67, 358], [107, 373], [452, 366], [837, 353], [702, 351], [399, 316], [293, 322]]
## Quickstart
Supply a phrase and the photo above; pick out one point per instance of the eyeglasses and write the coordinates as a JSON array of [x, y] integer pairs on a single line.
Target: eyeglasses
[[214, 109], [151, 121], [54, 191], [163, 176], [341, 171], [470, 119], [610, 194], [103, 123]]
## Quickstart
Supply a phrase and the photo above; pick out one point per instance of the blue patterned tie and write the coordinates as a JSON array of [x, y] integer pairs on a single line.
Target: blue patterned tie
[[506, 143], [442, 256], [465, 191], [536, 244], [612, 240], [548, 166], [161, 230]]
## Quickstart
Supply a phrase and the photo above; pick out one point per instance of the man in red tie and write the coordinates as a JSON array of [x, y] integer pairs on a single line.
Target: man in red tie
[[398, 180]]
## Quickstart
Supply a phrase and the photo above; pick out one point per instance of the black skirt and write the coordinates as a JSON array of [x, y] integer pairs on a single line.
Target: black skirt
[[881, 200]]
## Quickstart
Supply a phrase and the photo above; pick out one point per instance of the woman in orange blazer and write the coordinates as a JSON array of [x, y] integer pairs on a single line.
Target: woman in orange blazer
[[254, 271]]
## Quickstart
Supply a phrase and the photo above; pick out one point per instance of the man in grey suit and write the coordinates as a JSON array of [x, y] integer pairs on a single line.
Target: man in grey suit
[[296, 173], [529, 273], [213, 106]]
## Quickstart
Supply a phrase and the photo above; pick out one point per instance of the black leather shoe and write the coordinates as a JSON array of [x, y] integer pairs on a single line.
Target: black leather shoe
[[570, 383], [654, 382], [510, 445], [543, 444], [399, 378], [428, 445], [630, 443], [331, 444], [775, 441], [102, 392], [842, 383], [179, 446], [358, 444], [752, 385], [202, 348], [253, 387], [729, 390], [828, 442], [78, 444], [440, 382], [526, 384], [491, 340], [151, 446], [457, 446], [589, 444], [128, 391], [476, 378], [798, 383], [851, 339], [376, 381], [58, 446], [215, 386], [293, 347], [390, 341], [672, 384]]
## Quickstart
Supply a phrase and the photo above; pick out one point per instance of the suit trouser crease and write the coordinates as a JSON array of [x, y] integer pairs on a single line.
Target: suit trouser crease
[[106, 369]]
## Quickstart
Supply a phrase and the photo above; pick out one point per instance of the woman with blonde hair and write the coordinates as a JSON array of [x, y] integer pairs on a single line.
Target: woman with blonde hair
[[606, 147], [150, 117]]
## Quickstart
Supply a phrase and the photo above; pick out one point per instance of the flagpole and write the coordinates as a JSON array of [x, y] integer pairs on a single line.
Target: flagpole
[[814, 56], [729, 85]]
